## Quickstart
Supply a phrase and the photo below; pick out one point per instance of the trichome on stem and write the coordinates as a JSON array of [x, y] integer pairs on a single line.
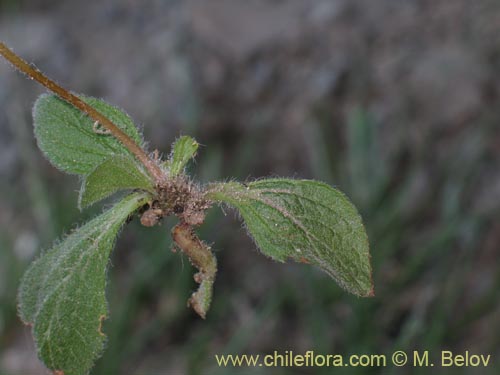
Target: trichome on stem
[[174, 195]]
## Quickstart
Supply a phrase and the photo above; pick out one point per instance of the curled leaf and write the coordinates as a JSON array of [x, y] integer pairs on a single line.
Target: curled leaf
[[183, 150], [204, 260]]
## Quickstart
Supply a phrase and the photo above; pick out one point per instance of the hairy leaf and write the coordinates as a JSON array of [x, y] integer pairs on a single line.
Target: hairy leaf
[[62, 294], [114, 174], [307, 221], [71, 140], [183, 150]]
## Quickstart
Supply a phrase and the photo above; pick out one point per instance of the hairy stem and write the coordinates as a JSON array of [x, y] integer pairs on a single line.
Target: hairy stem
[[33, 73], [204, 260]]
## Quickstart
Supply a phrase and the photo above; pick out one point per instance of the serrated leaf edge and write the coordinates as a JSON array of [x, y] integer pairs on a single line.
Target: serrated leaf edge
[[219, 188]]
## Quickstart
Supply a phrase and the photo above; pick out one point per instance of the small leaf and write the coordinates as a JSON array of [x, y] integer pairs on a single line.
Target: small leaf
[[115, 173], [307, 221], [62, 294], [183, 150], [69, 138]]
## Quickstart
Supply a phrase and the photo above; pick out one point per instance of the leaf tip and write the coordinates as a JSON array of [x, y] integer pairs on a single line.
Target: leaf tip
[[195, 304], [371, 293]]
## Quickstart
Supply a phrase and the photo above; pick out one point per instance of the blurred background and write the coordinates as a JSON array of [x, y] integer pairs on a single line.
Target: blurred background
[[395, 103]]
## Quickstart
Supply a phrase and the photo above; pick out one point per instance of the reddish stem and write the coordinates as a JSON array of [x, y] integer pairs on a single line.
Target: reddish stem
[[204, 260], [152, 167]]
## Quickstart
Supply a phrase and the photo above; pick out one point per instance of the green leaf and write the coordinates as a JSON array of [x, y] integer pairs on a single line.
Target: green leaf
[[183, 150], [62, 294], [114, 174], [307, 221], [69, 139]]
